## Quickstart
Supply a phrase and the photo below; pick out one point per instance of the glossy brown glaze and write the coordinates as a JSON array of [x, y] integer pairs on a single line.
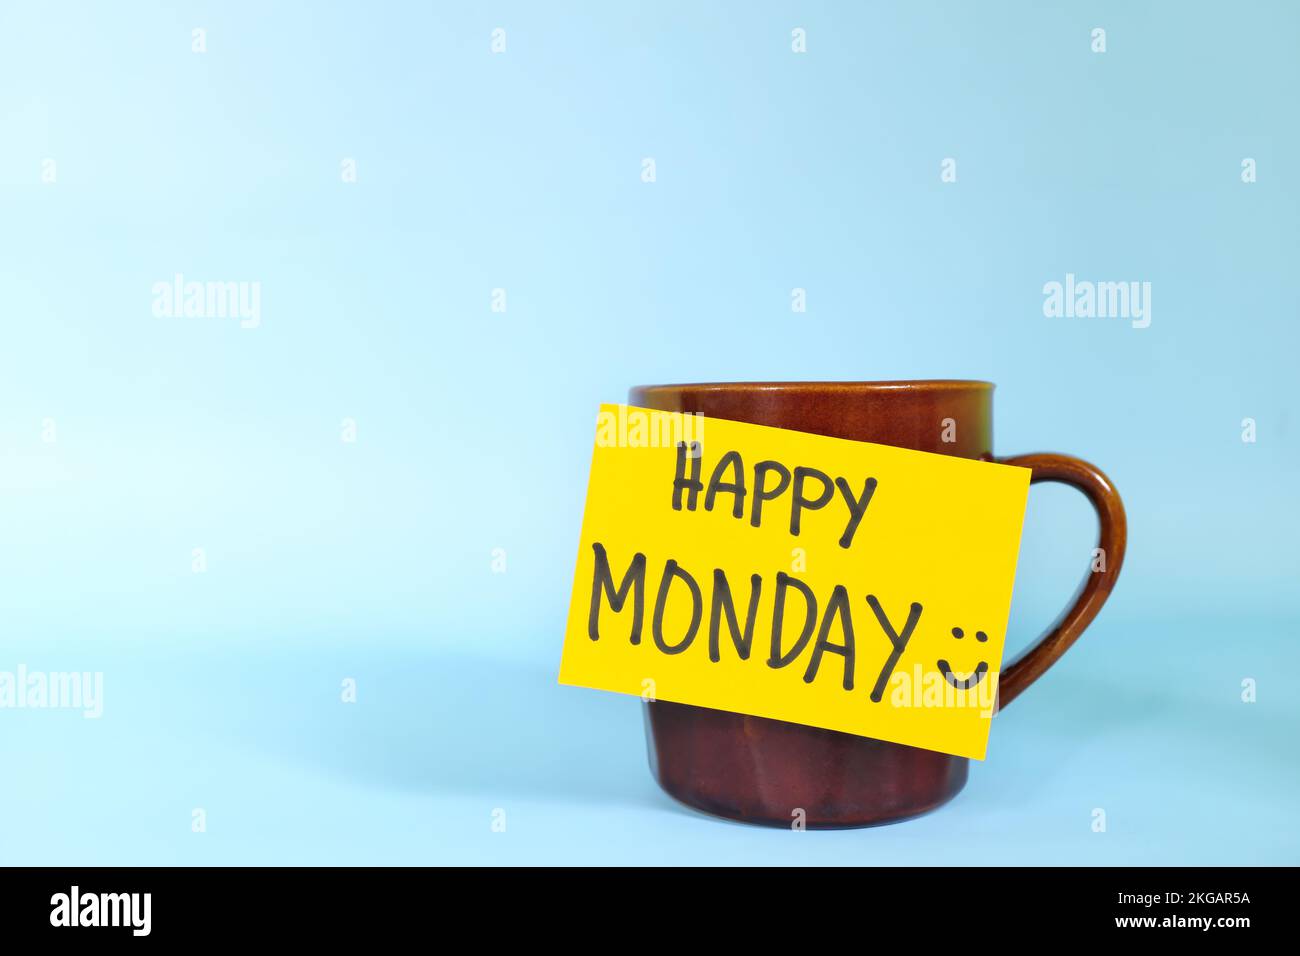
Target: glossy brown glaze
[[760, 770]]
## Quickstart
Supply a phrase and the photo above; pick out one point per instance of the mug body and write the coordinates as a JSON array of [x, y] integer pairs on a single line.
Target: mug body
[[760, 770]]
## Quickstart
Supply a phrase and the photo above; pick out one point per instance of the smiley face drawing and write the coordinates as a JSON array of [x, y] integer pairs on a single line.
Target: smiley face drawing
[[974, 677]]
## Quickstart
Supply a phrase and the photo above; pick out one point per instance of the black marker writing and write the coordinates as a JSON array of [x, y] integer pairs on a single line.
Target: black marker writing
[[810, 489], [899, 642], [603, 580]]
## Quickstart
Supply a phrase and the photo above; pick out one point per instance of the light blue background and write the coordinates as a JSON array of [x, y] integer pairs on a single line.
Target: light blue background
[[522, 171]]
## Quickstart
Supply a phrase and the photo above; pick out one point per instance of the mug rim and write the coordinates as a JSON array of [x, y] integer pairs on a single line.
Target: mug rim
[[934, 384]]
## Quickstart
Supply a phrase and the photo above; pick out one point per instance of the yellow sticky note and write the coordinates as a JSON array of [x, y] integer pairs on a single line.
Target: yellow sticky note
[[842, 584]]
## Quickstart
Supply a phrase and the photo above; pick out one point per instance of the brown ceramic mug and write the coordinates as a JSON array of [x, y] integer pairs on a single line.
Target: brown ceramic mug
[[760, 770]]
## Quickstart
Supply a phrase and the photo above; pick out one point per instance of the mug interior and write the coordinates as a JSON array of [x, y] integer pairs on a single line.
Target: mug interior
[[944, 416], [900, 385]]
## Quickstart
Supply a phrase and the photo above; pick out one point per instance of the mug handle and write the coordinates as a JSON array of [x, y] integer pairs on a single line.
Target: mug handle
[[1096, 588]]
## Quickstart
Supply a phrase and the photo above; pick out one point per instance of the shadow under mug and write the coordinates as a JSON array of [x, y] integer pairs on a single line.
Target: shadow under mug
[[759, 770]]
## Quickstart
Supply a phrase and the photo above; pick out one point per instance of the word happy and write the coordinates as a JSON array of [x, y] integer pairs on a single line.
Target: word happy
[[770, 481]]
